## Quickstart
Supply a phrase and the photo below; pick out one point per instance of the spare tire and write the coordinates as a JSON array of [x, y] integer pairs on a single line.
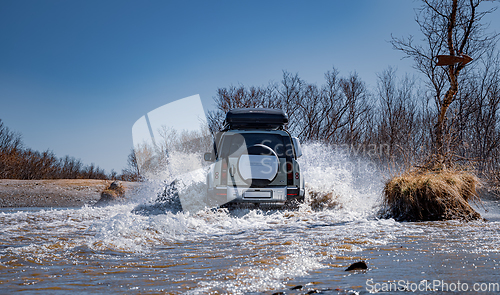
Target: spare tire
[[258, 166]]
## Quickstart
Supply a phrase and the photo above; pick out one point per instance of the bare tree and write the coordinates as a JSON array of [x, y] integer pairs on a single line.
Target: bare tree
[[289, 94], [9, 140], [131, 173], [452, 28], [477, 115], [356, 101], [240, 97], [336, 118], [312, 111], [398, 115]]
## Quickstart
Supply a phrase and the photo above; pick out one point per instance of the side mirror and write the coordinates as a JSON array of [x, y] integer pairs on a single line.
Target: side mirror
[[208, 157], [296, 147]]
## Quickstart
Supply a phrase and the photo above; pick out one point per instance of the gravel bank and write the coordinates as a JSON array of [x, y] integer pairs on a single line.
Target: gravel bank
[[52, 193]]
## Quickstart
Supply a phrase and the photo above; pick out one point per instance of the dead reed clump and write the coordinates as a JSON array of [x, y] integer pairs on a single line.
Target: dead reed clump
[[431, 195], [113, 193], [323, 200]]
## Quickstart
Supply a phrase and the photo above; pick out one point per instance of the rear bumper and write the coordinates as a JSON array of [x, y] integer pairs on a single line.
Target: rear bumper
[[295, 193], [277, 195]]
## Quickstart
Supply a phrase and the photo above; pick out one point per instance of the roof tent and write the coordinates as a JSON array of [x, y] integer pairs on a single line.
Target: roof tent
[[255, 118]]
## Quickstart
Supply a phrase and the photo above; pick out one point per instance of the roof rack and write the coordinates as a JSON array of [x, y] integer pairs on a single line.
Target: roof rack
[[255, 118]]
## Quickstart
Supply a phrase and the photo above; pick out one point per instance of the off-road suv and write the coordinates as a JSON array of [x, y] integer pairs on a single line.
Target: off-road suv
[[255, 160]]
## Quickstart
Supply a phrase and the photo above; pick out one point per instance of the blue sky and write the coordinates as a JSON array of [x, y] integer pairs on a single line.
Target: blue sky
[[76, 75]]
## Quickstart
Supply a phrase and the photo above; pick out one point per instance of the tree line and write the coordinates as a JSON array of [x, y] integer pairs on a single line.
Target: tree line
[[20, 162]]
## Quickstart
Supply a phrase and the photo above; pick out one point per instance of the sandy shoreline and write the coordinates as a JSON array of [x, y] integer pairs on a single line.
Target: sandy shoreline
[[53, 193]]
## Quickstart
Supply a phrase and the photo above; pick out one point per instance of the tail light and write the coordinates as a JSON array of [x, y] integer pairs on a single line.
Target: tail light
[[224, 172], [289, 173]]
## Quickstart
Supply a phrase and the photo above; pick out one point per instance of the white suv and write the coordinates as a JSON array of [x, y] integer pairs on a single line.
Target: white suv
[[255, 161]]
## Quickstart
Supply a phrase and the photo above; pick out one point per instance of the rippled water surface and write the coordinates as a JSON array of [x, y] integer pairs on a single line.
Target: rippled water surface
[[113, 250]]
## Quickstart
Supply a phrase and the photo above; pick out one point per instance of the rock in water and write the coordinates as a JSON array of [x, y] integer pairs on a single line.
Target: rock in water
[[360, 265]]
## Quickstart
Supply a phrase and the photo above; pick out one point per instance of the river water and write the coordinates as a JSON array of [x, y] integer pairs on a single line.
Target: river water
[[114, 250]]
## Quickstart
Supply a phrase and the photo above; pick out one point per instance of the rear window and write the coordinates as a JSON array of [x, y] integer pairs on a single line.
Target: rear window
[[236, 144]]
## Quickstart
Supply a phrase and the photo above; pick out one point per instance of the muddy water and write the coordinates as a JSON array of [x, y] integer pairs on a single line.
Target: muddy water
[[112, 250]]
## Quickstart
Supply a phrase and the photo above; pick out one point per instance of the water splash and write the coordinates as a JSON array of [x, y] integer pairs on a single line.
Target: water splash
[[353, 183]]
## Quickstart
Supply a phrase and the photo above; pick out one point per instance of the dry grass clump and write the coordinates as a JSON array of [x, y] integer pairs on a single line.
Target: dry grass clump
[[115, 189], [431, 195], [323, 200], [114, 192]]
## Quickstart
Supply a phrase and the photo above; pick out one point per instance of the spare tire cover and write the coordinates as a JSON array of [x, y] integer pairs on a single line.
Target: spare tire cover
[[260, 162]]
